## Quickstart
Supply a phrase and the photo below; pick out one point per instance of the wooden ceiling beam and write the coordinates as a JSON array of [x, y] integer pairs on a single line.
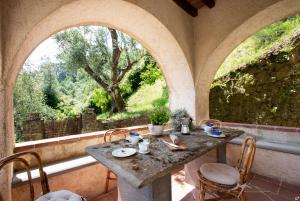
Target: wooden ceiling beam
[[209, 3], [187, 7]]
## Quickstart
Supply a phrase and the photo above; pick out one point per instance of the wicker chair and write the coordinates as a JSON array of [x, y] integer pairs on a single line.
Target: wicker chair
[[216, 122], [46, 194], [224, 181], [108, 137]]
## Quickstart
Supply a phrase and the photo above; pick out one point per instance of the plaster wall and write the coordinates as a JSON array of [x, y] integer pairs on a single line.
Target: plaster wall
[[162, 27], [4, 174], [219, 30]]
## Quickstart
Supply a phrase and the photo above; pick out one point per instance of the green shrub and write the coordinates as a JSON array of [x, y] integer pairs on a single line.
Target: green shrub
[[160, 102], [159, 115], [100, 101], [151, 74]]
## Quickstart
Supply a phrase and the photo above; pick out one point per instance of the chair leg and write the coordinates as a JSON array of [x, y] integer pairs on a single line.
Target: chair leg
[[242, 197], [107, 181], [202, 192]]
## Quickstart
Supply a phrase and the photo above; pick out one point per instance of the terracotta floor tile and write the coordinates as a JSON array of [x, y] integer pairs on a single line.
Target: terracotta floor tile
[[262, 189], [270, 180], [277, 197], [257, 196], [259, 184], [289, 194]]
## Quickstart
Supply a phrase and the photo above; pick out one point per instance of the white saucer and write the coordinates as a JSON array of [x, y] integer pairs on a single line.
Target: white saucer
[[147, 152], [123, 152], [216, 136]]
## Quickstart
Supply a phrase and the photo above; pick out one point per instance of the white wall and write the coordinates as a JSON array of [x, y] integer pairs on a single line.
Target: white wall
[[161, 26], [4, 174]]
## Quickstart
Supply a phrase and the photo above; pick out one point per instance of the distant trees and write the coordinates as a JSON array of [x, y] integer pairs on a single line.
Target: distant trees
[[96, 67], [104, 53]]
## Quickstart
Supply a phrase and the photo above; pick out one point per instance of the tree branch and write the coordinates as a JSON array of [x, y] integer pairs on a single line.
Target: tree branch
[[128, 67], [97, 78], [115, 54]]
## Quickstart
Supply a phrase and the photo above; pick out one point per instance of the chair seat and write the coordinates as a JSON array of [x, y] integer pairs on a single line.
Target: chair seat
[[220, 173], [61, 195]]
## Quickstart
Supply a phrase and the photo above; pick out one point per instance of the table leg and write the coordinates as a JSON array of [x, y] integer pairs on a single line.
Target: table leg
[[158, 190], [221, 153]]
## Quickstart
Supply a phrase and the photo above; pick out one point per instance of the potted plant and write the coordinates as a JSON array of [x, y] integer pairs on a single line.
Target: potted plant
[[158, 117], [177, 117]]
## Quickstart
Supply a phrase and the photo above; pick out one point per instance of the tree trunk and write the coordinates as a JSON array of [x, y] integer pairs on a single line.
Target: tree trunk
[[118, 103]]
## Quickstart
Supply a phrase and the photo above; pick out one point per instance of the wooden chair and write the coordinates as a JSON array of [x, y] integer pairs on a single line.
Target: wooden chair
[[46, 194], [108, 137], [224, 181], [216, 122]]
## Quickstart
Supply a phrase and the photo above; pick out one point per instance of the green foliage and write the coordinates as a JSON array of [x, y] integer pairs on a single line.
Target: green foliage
[[100, 101], [270, 37], [159, 115], [63, 89], [105, 54], [29, 98], [51, 98], [151, 74], [126, 90]]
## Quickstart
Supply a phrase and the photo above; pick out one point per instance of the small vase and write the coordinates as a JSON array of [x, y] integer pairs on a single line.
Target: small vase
[[155, 129]]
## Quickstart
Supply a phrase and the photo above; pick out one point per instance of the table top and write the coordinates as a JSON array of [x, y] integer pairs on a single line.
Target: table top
[[141, 169]]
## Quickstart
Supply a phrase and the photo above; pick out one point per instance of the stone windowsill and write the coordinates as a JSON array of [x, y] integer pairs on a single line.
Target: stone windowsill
[[263, 127], [66, 139]]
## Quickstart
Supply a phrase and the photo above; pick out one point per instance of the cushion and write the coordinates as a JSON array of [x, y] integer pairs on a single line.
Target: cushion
[[220, 173], [62, 195]]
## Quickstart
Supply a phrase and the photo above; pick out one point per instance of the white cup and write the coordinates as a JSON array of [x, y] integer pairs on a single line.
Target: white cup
[[134, 139], [144, 146]]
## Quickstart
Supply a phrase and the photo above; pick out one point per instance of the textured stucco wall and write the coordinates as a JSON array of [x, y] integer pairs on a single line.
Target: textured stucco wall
[[219, 30], [188, 50], [161, 26], [4, 182]]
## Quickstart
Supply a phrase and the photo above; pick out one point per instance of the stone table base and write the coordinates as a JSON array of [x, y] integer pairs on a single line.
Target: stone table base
[[159, 190]]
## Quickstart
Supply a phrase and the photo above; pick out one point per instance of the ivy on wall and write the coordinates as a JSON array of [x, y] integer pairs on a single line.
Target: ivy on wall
[[266, 92]]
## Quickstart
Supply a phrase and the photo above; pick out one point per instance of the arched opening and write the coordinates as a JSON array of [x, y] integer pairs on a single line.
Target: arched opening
[[82, 72], [205, 77], [257, 89], [258, 82], [142, 25]]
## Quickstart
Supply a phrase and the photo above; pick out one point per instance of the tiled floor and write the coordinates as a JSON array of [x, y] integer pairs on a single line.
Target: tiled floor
[[260, 189]]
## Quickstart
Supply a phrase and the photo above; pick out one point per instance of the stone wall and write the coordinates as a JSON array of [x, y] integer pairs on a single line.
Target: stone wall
[[34, 128], [267, 92]]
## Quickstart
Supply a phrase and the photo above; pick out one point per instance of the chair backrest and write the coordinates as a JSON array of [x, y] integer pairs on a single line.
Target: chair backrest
[[216, 122], [18, 157], [108, 136], [246, 158]]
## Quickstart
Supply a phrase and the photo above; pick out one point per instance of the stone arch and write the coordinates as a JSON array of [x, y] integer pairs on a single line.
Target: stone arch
[[272, 14], [141, 25]]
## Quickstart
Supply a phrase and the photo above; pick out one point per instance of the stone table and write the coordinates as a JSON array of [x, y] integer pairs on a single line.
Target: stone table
[[148, 177]]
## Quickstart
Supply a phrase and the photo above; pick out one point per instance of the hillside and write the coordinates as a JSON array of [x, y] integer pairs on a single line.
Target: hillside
[[276, 36]]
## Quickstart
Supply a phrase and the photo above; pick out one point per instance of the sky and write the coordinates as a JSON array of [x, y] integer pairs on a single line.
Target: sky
[[47, 49]]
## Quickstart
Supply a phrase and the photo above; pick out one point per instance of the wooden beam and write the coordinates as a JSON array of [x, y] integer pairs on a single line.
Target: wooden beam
[[209, 3], [187, 7]]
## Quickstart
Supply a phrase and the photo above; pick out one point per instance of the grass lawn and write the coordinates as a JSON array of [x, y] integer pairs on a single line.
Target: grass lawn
[[139, 103]]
